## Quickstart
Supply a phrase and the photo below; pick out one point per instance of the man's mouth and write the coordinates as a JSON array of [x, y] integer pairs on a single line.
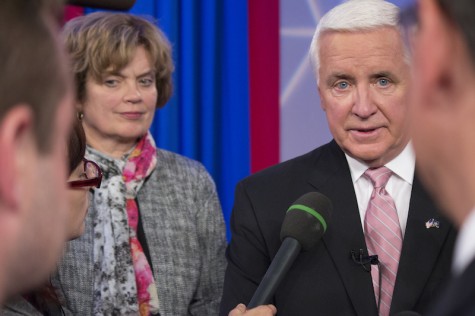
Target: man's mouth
[[366, 130]]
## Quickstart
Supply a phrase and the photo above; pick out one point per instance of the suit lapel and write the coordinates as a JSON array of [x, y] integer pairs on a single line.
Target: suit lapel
[[420, 251], [331, 176], [458, 296]]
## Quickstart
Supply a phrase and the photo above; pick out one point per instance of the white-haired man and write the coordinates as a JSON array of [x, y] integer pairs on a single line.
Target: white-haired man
[[367, 171]]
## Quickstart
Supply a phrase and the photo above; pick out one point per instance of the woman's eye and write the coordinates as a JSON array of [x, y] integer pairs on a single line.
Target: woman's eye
[[111, 82], [146, 82]]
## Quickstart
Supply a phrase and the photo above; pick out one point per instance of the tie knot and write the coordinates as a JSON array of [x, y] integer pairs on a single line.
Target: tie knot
[[378, 176]]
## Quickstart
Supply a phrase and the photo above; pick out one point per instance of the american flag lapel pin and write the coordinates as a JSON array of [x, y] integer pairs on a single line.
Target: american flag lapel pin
[[432, 223]]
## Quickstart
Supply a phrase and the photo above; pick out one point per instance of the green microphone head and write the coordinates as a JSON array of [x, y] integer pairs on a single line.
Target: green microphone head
[[307, 219]]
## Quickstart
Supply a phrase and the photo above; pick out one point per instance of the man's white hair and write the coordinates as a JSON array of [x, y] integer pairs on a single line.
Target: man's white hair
[[353, 16]]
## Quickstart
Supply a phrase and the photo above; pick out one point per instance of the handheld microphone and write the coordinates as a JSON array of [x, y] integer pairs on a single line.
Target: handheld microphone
[[122, 5], [304, 225]]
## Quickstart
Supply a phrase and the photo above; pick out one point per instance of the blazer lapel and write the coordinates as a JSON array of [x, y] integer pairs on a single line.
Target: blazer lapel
[[331, 176], [421, 249]]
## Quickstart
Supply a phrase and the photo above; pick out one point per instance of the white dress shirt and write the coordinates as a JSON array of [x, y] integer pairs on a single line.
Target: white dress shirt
[[464, 251], [399, 185]]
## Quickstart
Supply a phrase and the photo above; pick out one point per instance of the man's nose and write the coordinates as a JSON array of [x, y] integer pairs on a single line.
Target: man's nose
[[363, 105]]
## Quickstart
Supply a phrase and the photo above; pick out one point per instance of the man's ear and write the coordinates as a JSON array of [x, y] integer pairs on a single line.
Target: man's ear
[[78, 107], [16, 130], [436, 52]]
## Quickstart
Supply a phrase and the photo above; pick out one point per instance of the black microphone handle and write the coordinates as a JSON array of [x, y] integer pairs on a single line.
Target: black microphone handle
[[283, 260]]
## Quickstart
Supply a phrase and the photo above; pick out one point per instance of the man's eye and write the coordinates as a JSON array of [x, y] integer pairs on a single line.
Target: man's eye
[[342, 85], [383, 82]]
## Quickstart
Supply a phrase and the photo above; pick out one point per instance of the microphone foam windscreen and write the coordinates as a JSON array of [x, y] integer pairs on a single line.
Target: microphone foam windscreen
[[307, 219]]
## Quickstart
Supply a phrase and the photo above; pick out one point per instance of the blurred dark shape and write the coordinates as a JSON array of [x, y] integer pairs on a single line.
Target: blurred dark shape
[[122, 5]]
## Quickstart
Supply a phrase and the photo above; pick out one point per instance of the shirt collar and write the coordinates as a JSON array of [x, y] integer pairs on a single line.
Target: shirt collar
[[403, 165], [464, 250]]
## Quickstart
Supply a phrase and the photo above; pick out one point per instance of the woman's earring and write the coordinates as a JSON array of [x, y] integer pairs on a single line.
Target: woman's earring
[[80, 115]]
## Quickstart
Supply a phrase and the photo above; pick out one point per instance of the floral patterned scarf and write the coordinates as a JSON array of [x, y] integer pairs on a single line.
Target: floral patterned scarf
[[123, 280]]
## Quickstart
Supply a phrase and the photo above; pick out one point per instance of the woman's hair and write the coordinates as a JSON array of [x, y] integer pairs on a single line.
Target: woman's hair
[[76, 146], [105, 41]]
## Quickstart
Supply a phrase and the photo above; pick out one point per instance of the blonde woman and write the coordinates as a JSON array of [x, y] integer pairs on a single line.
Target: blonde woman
[[155, 237]]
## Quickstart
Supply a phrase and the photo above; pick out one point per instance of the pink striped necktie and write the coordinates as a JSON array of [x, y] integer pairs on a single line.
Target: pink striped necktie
[[383, 237]]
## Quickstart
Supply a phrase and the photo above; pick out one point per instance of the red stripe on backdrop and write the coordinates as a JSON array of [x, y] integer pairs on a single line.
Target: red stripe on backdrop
[[264, 82], [72, 11]]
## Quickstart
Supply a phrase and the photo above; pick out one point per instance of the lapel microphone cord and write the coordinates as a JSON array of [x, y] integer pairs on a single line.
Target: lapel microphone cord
[[379, 283], [365, 262]]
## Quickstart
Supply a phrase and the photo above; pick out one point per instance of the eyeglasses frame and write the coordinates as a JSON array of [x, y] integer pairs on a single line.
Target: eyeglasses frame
[[94, 182]]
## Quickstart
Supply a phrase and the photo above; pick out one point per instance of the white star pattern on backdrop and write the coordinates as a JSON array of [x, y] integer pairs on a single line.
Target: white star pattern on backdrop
[[302, 125], [301, 32]]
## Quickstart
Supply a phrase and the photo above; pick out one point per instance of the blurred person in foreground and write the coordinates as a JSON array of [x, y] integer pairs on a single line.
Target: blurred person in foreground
[[444, 131], [379, 207], [155, 237], [36, 104], [84, 175]]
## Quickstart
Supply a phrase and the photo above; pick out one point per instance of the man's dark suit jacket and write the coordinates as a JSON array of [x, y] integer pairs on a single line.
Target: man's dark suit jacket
[[459, 298], [325, 280]]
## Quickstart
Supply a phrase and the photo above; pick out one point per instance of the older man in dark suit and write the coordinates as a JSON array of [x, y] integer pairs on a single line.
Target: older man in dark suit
[[444, 137], [367, 171]]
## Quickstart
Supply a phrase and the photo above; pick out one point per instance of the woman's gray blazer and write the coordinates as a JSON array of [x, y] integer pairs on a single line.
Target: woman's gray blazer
[[185, 233]]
